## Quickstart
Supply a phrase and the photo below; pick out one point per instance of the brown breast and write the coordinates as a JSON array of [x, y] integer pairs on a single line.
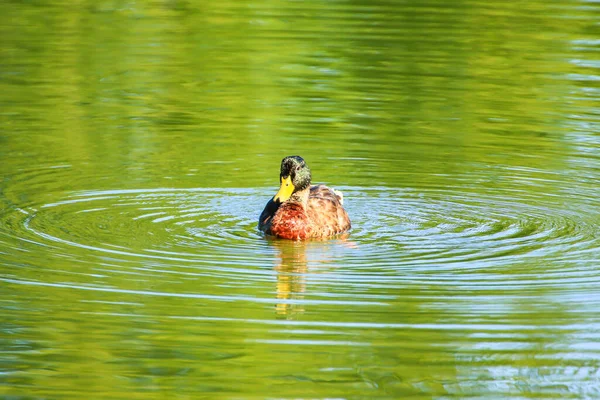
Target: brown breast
[[291, 222]]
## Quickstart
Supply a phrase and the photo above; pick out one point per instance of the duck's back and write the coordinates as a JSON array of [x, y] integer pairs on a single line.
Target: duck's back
[[326, 212]]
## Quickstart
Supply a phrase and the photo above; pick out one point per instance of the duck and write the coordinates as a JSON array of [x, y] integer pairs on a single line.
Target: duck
[[301, 211]]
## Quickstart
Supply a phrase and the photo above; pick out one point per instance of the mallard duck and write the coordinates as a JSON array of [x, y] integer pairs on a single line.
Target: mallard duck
[[300, 211]]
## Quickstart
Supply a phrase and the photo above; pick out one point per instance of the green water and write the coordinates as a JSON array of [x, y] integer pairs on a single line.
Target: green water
[[139, 142]]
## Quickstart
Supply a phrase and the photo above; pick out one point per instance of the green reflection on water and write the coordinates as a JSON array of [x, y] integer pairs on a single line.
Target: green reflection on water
[[477, 280]]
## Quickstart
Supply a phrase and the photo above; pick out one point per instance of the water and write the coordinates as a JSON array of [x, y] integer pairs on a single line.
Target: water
[[139, 143]]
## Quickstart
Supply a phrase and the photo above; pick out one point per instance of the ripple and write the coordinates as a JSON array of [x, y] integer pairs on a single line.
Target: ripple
[[442, 238]]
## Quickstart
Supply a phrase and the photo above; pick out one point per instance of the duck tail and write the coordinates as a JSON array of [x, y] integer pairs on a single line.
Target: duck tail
[[339, 195]]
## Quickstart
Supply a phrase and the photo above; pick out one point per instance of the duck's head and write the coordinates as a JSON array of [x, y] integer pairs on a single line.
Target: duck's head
[[294, 177]]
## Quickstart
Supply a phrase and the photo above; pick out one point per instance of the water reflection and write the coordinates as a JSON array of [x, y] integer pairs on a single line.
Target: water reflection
[[298, 261], [137, 143], [291, 277]]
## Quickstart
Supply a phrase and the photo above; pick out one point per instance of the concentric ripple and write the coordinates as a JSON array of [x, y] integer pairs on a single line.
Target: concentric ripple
[[399, 235], [465, 270]]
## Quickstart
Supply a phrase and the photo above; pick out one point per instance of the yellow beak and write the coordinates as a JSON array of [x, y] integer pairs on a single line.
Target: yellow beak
[[285, 191]]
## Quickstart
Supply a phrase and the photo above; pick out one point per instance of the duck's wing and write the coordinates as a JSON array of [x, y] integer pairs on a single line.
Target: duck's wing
[[264, 221], [324, 192], [326, 211]]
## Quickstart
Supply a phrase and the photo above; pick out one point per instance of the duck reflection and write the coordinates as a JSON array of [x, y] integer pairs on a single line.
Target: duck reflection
[[295, 260], [291, 270]]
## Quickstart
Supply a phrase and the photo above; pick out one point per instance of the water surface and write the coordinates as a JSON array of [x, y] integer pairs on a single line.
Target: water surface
[[140, 142]]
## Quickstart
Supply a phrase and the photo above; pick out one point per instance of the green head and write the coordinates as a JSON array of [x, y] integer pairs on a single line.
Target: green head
[[294, 176]]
